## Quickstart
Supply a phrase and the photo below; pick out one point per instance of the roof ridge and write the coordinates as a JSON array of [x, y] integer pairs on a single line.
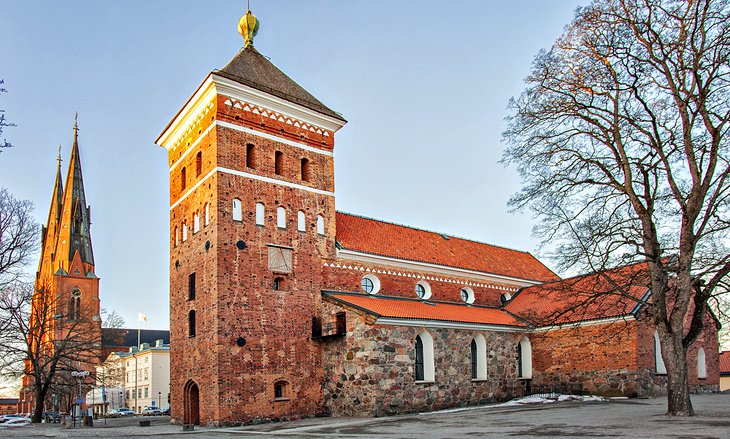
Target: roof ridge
[[436, 233]]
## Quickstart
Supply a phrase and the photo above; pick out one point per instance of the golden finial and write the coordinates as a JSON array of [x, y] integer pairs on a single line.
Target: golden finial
[[59, 155], [248, 26]]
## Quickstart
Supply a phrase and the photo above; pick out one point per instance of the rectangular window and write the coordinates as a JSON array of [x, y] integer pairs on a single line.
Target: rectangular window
[[191, 286], [279, 163], [146, 392], [250, 156]]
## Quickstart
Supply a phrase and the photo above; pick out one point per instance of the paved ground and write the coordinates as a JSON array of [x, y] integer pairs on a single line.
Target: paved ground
[[615, 419]]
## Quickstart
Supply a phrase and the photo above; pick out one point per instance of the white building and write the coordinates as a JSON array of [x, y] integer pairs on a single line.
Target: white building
[[147, 376], [136, 379]]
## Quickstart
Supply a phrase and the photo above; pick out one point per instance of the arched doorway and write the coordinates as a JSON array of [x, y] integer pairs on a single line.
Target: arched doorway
[[191, 403]]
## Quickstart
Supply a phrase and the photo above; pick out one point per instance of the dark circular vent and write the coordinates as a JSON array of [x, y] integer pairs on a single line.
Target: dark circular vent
[[241, 341], [207, 245], [241, 245]]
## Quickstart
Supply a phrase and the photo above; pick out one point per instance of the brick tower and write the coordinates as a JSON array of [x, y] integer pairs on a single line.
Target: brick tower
[[66, 300], [252, 214]]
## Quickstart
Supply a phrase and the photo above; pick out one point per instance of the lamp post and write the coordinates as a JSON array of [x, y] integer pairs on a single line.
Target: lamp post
[[159, 400], [80, 374]]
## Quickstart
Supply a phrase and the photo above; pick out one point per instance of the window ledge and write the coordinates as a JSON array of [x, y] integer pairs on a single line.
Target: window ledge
[[281, 399], [425, 381], [660, 373], [479, 380]]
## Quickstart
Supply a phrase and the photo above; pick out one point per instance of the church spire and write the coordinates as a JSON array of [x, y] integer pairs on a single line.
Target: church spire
[[49, 233], [75, 233]]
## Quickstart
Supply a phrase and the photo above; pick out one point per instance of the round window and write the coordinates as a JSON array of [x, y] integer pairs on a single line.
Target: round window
[[423, 290], [505, 297], [467, 295], [370, 284]]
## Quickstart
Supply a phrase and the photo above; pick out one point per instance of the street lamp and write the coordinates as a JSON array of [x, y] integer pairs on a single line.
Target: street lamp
[[80, 374], [159, 399]]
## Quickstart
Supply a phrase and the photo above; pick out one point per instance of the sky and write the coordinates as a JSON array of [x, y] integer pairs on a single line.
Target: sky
[[423, 84]]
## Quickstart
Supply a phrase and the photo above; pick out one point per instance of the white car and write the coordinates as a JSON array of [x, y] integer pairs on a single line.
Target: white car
[[14, 422]]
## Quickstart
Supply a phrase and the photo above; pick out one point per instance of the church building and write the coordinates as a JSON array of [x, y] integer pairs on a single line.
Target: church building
[[281, 307]]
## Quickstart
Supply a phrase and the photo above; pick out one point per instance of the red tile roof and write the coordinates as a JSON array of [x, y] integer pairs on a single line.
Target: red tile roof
[[386, 239], [725, 363], [403, 308], [610, 293]]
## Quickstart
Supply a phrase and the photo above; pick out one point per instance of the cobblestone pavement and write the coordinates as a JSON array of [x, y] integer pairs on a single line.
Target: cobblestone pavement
[[635, 419]]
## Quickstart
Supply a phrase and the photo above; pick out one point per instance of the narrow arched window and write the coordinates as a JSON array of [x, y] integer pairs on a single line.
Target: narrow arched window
[[183, 179], [191, 323], [198, 163], [660, 368], [207, 213], [701, 364], [196, 222], [250, 156], [74, 306], [176, 237], [320, 225], [185, 231], [305, 170], [278, 163], [278, 283], [260, 214], [281, 217], [424, 366], [301, 222], [419, 359], [478, 358], [237, 210], [524, 359]]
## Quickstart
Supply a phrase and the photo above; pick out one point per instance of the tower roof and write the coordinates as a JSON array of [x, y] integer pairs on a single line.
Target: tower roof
[[76, 217], [252, 69]]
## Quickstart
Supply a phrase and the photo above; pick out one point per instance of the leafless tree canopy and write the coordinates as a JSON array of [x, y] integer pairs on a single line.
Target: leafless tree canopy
[[4, 122], [111, 319], [621, 139], [18, 236], [41, 341]]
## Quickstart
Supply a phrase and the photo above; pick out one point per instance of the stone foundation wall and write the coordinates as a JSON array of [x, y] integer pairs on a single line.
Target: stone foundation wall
[[370, 371]]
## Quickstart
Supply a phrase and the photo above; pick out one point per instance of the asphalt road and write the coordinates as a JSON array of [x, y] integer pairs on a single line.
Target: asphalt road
[[633, 419]]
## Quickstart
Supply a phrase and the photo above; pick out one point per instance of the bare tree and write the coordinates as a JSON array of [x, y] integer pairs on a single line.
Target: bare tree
[[18, 236], [4, 122], [620, 137], [111, 319], [42, 341]]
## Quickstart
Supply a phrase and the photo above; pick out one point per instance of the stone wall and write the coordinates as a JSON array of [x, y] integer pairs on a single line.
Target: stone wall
[[370, 371]]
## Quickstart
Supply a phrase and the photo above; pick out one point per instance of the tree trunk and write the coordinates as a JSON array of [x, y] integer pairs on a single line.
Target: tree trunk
[[675, 358], [40, 396]]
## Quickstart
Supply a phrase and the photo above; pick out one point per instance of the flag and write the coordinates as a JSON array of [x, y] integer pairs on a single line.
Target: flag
[[142, 317]]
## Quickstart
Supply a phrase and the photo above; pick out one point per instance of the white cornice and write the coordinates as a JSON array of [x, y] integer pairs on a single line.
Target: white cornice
[[187, 114], [239, 91], [606, 321], [253, 177], [423, 323], [217, 85], [434, 268]]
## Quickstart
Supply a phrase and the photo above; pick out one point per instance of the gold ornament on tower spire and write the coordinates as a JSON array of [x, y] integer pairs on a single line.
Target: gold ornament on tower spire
[[248, 26]]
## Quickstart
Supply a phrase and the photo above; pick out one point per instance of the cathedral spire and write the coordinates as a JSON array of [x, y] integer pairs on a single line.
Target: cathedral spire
[[75, 233], [49, 233]]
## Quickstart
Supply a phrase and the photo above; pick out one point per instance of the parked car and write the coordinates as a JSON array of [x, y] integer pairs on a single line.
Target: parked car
[[120, 412], [14, 422], [151, 411], [166, 412]]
